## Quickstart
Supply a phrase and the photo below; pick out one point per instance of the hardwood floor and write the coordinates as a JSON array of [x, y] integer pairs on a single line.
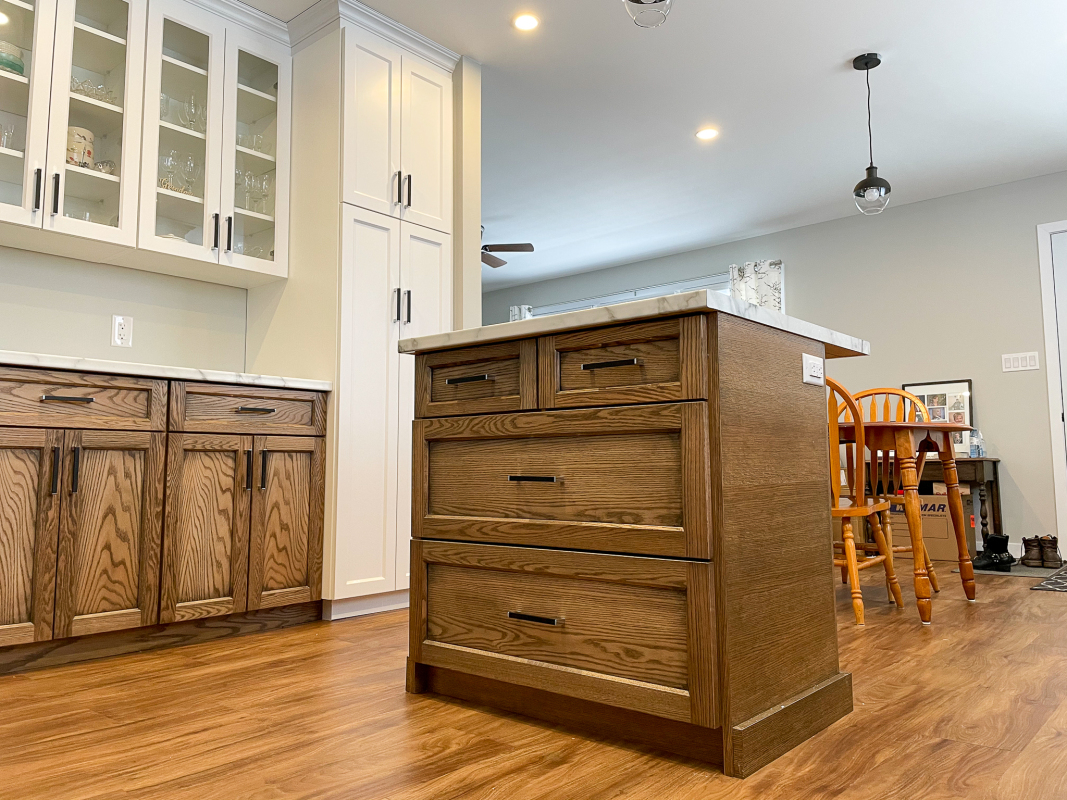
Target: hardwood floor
[[973, 707]]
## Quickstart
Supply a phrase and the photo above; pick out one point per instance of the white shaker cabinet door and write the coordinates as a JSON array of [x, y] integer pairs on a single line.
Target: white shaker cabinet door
[[426, 144], [371, 152], [426, 309], [367, 406]]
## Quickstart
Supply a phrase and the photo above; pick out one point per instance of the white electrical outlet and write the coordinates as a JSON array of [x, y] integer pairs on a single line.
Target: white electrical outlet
[[813, 370], [1018, 362], [121, 331]]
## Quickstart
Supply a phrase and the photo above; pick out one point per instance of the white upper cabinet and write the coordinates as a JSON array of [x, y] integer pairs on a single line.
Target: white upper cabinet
[[397, 140]]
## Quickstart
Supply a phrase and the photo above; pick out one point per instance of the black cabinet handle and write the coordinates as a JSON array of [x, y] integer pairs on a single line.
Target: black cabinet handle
[[556, 621], [399, 188], [408, 203], [38, 188], [215, 246], [396, 296], [55, 470], [58, 398], [75, 468], [407, 298], [622, 362], [248, 470], [253, 410], [532, 478], [263, 471], [229, 234], [468, 379], [55, 194]]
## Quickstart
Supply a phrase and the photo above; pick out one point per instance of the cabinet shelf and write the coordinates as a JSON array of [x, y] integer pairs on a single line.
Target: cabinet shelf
[[88, 184], [18, 4], [256, 155], [170, 126], [12, 165], [184, 65], [179, 80], [95, 115], [254, 222], [97, 50], [14, 93], [253, 105], [181, 208]]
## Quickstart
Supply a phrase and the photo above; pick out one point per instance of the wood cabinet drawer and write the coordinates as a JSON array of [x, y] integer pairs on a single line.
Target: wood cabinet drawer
[[645, 362], [584, 624], [43, 398], [214, 408], [477, 380], [623, 480]]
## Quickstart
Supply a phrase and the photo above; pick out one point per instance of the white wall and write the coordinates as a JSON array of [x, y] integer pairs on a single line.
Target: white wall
[[940, 289], [61, 306]]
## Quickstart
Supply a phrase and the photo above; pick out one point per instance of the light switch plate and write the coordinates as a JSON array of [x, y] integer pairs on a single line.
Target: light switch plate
[[121, 331], [813, 370], [1019, 362]]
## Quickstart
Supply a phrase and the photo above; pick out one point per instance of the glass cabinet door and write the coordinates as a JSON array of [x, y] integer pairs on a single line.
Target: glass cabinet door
[[256, 154], [27, 28], [95, 124], [180, 200]]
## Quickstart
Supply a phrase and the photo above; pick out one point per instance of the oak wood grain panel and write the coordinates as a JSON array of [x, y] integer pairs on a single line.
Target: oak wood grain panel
[[273, 598], [415, 676], [116, 403], [629, 631], [215, 408], [660, 701], [29, 528], [205, 549], [199, 609], [693, 338], [702, 645], [512, 383], [109, 543], [588, 422]]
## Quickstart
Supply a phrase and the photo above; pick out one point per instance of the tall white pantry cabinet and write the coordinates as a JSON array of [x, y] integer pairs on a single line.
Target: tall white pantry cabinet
[[373, 190]]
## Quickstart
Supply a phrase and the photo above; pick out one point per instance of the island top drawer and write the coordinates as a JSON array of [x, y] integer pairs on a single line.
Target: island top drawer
[[55, 399], [568, 619], [488, 379], [215, 408], [623, 480], [644, 362]]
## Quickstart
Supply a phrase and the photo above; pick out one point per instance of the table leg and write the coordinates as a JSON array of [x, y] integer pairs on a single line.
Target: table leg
[[883, 535], [909, 482], [955, 509], [984, 513]]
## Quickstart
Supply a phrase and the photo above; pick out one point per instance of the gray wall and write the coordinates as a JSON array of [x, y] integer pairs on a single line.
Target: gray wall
[[940, 289], [63, 307]]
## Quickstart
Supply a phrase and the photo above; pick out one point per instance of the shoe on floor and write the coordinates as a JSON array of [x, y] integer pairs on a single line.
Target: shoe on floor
[[1050, 552], [1032, 556]]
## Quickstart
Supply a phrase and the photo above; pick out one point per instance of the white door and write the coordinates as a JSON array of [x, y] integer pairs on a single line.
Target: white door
[[94, 140], [181, 173], [372, 90], [1059, 275], [426, 308], [426, 144], [24, 110], [255, 153], [367, 405]]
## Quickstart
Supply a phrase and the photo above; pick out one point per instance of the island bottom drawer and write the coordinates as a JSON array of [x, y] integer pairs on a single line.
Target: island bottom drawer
[[623, 630]]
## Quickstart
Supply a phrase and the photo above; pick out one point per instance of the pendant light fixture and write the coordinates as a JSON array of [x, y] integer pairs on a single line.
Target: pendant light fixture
[[648, 13], [872, 193]]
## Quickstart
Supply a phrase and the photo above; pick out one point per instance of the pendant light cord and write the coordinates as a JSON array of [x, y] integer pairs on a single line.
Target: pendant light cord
[[870, 134]]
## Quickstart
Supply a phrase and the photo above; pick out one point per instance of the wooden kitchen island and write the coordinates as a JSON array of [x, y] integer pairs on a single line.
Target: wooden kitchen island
[[621, 524]]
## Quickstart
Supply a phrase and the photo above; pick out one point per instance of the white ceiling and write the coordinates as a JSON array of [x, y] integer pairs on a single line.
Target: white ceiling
[[588, 145]]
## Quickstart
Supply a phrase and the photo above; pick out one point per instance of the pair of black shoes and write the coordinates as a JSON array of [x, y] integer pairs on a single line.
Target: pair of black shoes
[[995, 556]]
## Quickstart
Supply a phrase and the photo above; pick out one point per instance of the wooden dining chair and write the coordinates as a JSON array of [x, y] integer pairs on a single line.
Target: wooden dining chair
[[888, 404], [854, 503]]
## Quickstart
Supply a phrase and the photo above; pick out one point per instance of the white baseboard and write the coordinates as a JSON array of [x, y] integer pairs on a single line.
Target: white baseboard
[[360, 606]]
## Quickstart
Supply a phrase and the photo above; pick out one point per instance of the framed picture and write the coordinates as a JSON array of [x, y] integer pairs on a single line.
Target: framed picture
[[948, 401]]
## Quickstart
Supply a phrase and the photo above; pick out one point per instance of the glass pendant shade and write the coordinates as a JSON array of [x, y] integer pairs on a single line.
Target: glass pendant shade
[[872, 193], [648, 13]]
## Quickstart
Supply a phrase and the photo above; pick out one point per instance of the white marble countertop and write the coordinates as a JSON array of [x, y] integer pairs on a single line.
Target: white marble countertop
[[838, 345], [13, 358]]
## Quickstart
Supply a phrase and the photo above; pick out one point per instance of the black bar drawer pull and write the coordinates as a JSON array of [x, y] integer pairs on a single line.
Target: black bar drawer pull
[[263, 471], [624, 362], [58, 398], [532, 478], [75, 468], [38, 187], [254, 410], [557, 621], [55, 195], [468, 379], [248, 470], [55, 470]]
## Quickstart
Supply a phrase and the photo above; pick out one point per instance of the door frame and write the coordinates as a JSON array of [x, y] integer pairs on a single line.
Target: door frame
[[1053, 357]]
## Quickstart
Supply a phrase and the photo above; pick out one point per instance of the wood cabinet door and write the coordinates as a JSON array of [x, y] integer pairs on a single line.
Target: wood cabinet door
[[205, 547], [285, 552], [30, 461], [109, 537], [426, 144]]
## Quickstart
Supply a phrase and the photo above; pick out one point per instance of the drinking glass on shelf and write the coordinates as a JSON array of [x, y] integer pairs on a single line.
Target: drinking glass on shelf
[[164, 106], [168, 164], [201, 118], [7, 136], [249, 183], [187, 112], [266, 183], [257, 142]]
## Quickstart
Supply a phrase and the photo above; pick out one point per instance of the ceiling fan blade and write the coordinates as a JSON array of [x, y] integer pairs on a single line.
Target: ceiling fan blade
[[492, 261], [525, 247]]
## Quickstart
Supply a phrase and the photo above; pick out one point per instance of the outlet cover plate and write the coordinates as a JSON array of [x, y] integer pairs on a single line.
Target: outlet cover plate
[[121, 331], [813, 370]]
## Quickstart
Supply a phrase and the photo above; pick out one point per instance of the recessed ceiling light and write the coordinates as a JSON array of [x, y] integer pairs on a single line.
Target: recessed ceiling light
[[707, 133], [526, 22], [4, 18]]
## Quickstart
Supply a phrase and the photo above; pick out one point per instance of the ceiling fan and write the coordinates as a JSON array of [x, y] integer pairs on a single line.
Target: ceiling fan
[[492, 261]]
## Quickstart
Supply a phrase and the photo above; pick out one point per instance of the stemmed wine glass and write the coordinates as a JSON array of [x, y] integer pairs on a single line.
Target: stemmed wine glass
[[187, 113], [168, 162], [266, 181], [249, 182]]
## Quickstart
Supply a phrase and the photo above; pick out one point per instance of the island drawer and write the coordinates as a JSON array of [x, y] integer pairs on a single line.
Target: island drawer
[[582, 624], [477, 380], [216, 408], [623, 480], [55, 399], [644, 362]]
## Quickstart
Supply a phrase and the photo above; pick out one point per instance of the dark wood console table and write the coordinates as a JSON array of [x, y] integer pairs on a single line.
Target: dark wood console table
[[981, 474]]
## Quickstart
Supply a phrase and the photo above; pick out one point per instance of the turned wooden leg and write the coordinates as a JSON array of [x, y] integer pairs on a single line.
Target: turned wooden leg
[[853, 569], [955, 510], [983, 511], [883, 535], [930, 572], [909, 481]]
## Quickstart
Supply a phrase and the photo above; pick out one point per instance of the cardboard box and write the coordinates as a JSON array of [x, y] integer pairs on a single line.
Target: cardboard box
[[938, 535]]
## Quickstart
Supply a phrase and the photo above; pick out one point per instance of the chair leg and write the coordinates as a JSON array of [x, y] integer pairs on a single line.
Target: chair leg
[[844, 575], [883, 534], [853, 568], [930, 572]]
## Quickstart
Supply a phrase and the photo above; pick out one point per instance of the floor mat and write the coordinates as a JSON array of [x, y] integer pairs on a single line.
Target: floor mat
[[1056, 582]]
